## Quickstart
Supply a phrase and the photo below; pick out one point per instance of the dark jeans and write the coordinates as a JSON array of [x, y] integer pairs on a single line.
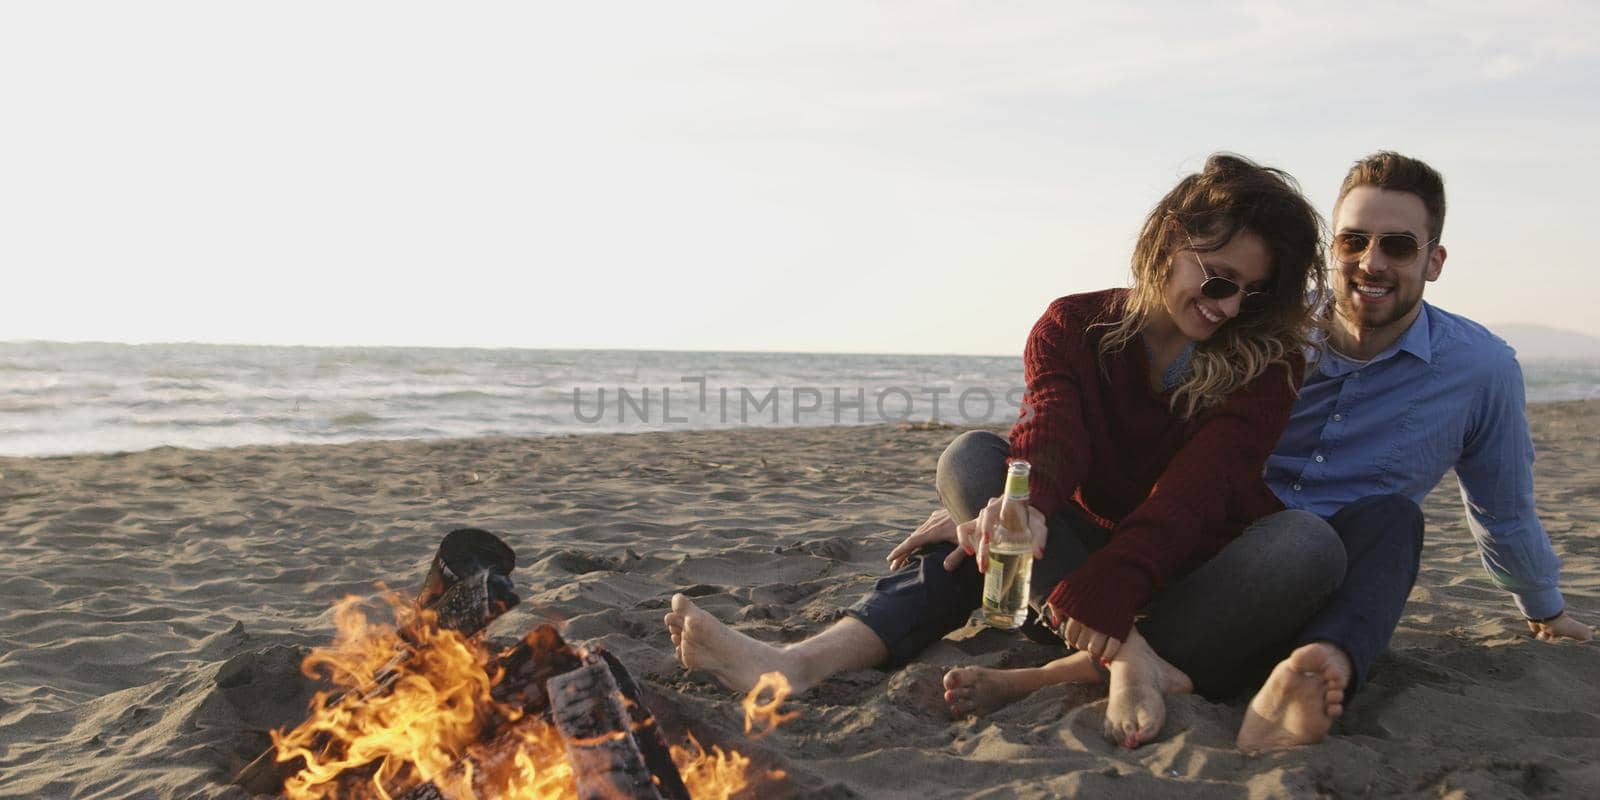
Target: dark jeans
[[1214, 623], [1382, 538]]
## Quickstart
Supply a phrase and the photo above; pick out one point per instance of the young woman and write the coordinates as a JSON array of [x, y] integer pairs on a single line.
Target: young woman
[[1149, 415]]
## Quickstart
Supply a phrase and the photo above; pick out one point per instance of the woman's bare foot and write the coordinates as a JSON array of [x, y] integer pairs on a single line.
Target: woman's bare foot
[[736, 660], [1300, 700], [1136, 705], [980, 690]]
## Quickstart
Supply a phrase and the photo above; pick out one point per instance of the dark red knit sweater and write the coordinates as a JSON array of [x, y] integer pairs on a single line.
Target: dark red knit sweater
[[1172, 491]]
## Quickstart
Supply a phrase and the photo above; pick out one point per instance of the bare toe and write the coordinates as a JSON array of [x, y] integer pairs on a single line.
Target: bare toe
[[958, 678], [1299, 701], [1136, 705], [980, 690]]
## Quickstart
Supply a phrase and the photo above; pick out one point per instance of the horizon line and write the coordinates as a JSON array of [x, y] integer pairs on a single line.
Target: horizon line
[[191, 342], [498, 347]]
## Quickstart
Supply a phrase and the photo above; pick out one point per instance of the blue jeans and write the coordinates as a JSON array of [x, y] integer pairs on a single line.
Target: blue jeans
[[1217, 623]]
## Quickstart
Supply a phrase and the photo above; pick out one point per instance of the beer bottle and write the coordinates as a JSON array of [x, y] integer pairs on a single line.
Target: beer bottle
[[1005, 578]]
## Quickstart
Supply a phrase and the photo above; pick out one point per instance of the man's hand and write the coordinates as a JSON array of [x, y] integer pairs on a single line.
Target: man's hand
[[939, 527], [1562, 627]]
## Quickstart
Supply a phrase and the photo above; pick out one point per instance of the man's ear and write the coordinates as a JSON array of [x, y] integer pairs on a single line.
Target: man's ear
[[1436, 263]]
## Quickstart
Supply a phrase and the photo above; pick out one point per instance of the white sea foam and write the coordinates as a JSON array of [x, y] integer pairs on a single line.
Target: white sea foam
[[70, 398]]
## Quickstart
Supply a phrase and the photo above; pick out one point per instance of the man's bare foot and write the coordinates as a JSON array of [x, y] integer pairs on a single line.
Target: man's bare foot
[[1136, 705], [1300, 700], [980, 690], [736, 660]]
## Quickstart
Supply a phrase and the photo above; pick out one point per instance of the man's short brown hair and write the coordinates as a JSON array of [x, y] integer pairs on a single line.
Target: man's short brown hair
[[1393, 172]]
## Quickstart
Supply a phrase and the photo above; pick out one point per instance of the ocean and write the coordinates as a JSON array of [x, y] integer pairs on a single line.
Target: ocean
[[59, 398]]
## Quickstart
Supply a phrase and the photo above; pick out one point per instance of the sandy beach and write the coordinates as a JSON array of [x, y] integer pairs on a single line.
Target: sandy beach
[[154, 607]]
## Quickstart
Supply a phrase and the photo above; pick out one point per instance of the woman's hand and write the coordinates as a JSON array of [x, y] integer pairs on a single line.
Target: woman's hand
[[972, 538], [939, 527], [1082, 637], [1079, 636]]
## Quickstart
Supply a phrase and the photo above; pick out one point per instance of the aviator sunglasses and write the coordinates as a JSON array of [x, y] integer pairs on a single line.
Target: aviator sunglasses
[[1400, 248], [1217, 287]]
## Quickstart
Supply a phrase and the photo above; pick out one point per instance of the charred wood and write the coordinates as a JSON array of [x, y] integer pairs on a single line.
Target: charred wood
[[588, 711]]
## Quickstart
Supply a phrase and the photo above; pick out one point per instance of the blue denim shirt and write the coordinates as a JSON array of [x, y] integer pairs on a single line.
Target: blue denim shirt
[[1448, 394]]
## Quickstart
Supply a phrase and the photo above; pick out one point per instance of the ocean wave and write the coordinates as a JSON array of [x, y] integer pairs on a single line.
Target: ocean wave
[[15, 407], [356, 419], [182, 423], [166, 385]]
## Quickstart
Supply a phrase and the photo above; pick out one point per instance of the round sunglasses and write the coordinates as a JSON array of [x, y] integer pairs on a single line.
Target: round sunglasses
[[1401, 249], [1217, 287]]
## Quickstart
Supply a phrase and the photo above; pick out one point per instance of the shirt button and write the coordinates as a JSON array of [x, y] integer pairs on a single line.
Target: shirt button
[[1338, 417], [1297, 487], [1319, 459]]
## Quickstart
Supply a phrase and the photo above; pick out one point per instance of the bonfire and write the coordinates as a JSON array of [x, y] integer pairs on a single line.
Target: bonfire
[[423, 708]]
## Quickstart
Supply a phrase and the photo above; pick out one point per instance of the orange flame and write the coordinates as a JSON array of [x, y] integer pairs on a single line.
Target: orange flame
[[417, 708], [763, 717], [432, 711], [713, 774]]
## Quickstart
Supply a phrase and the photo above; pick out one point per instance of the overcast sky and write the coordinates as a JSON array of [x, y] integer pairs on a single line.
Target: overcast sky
[[811, 176]]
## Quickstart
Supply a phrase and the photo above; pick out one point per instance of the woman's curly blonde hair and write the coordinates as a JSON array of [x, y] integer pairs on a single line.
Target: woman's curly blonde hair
[[1229, 195]]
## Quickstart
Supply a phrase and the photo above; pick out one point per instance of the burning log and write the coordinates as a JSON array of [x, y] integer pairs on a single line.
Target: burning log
[[467, 587], [469, 556], [587, 707], [646, 732], [503, 762], [542, 655]]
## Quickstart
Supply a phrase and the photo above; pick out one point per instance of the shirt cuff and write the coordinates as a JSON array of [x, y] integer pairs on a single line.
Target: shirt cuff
[[1541, 604]]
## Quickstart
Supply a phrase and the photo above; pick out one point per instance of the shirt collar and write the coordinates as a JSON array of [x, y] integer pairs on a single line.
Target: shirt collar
[[1417, 340]]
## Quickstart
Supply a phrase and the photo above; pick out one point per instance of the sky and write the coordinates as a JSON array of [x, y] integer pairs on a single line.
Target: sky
[[810, 176]]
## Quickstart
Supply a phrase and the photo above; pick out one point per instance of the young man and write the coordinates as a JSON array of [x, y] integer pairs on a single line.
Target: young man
[[1402, 391]]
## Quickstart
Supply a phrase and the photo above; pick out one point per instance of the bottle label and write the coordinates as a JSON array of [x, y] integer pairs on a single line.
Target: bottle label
[[994, 578], [1017, 485]]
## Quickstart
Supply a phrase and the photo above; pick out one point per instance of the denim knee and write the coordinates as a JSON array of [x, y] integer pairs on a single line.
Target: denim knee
[[1400, 507], [972, 470], [1313, 555], [1384, 512]]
